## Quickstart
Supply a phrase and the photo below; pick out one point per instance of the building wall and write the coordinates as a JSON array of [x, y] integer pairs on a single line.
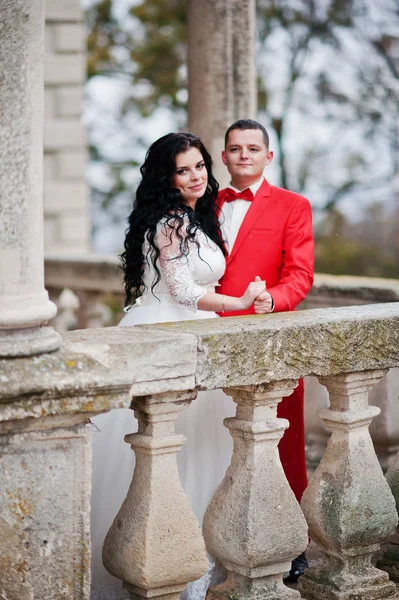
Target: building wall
[[66, 202]]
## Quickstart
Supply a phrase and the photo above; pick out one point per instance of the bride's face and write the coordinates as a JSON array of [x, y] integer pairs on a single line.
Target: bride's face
[[191, 176]]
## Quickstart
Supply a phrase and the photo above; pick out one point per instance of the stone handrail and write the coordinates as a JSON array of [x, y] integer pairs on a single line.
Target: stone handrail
[[89, 273], [348, 290], [256, 528]]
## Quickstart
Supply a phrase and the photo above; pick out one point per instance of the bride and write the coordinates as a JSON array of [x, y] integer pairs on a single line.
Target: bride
[[174, 257]]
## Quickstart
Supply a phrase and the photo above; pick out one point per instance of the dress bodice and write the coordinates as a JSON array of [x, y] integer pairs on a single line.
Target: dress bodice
[[184, 277]]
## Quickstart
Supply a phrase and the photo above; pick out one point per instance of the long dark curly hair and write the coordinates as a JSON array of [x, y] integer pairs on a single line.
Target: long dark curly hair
[[156, 199]]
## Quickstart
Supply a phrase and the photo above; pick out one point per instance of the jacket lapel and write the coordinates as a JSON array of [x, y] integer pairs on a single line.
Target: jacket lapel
[[220, 202], [219, 207], [257, 207]]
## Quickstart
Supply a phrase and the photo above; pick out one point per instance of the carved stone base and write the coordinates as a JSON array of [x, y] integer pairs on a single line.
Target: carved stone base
[[389, 561], [29, 341], [170, 592], [350, 577], [238, 587]]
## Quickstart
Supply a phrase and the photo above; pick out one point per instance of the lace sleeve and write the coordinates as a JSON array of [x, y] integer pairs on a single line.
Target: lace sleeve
[[178, 270]]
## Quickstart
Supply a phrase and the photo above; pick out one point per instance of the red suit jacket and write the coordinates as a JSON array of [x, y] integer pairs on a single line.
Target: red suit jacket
[[275, 241]]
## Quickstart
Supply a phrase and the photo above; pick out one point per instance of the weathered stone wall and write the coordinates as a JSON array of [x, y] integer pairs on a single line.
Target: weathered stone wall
[[66, 214]]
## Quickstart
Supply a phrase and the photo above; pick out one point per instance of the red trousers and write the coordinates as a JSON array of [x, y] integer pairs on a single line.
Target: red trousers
[[292, 445]]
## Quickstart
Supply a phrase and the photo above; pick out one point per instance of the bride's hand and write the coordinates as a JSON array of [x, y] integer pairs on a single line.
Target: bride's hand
[[253, 290]]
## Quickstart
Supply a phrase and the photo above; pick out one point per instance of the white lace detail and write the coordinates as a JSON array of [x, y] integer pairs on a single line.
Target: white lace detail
[[173, 293], [179, 274], [182, 273]]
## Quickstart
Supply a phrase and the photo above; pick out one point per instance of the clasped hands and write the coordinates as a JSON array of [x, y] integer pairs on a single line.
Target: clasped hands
[[260, 297]]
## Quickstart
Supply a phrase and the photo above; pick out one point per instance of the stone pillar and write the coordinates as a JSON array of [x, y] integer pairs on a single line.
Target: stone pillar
[[155, 544], [45, 511], [254, 524], [348, 504], [221, 70], [24, 304]]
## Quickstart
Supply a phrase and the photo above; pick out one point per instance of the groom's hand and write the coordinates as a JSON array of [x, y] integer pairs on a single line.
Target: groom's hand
[[264, 302]]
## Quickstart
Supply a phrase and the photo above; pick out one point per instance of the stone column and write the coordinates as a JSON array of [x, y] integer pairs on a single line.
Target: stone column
[[45, 509], [24, 304], [348, 504], [221, 70], [155, 544], [254, 524]]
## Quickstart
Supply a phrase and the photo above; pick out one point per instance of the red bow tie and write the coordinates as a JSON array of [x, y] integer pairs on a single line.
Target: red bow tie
[[243, 195]]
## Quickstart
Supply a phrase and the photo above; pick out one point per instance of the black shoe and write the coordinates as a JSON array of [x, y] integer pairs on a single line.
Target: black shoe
[[298, 566]]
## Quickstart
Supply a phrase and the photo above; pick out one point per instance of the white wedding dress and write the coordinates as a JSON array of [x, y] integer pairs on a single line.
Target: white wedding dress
[[205, 457]]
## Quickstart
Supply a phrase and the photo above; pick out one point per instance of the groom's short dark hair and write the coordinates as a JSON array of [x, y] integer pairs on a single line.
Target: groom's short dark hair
[[247, 124]]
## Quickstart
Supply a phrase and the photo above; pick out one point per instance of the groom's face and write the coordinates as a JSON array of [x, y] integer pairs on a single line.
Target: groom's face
[[246, 156]]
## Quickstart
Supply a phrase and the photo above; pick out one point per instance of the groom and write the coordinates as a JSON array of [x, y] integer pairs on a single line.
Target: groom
[[268, 232]]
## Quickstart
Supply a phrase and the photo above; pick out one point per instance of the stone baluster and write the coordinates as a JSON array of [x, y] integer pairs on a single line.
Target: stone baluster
[[24, 304], [67, 309], [92, 311], [155, 544], [348, 504], [254, 524]]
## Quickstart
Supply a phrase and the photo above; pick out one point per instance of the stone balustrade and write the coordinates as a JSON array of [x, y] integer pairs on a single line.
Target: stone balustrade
[[85, 287], [253, 525]]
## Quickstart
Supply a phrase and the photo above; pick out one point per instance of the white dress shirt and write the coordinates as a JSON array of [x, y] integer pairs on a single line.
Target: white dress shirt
[[233, 214]]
